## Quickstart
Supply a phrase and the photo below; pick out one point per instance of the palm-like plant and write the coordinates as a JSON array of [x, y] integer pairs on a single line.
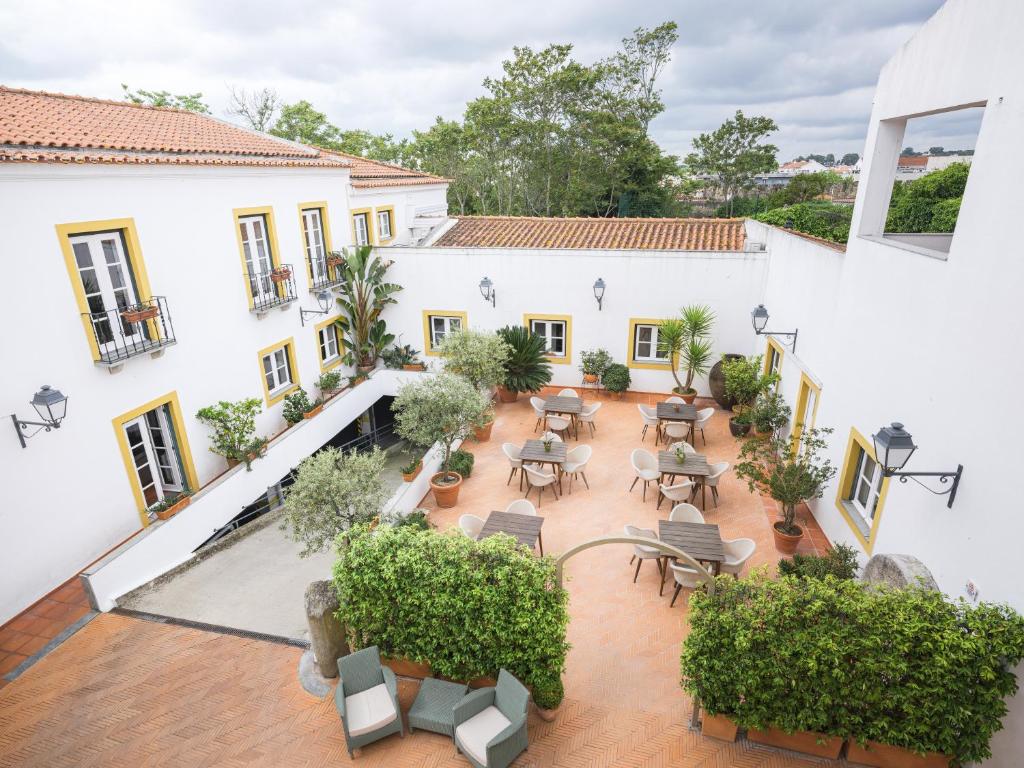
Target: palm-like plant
[[685, 340], [526, 369], [365, 293]]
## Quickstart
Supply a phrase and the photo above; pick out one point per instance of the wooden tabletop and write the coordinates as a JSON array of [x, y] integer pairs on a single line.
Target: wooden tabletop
[[533, 450], [701, 541], [667, 412], [526, 528], [559, 404], [695, 464]]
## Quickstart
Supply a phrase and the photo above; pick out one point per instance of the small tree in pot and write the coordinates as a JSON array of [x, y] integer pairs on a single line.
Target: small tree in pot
[[593, 364], [527, 368], [745, 380], [771, 466], [440, 410], [365, 294], [234, 430], [480, 359], [685, 340]]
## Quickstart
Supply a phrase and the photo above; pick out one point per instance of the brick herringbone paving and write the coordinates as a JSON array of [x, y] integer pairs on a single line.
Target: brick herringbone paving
[[126, 692]]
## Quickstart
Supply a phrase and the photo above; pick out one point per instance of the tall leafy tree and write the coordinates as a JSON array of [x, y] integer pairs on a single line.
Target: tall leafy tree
[[302, 122], [193, 102]]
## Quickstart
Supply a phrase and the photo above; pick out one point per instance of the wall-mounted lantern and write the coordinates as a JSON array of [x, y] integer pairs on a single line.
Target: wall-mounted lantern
[[51, 406], [487, 290], [324, 300], [599, 292], [759, 319], [894, 447]]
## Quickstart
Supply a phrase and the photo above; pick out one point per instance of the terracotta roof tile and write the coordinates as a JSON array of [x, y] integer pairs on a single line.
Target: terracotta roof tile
[[374, 173], [624, 234], [913, 161], [36, 126]]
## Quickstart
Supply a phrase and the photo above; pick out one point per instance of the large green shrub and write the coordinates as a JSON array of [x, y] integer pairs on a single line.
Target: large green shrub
[[476, 356], [901, 667], [468, 608], [930, 203], [830, 221], [616, 378], [745, 379], [234, 429], [526, 368]]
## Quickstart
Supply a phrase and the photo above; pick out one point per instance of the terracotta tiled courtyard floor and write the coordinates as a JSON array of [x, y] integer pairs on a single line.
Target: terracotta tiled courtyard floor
[[128, 692]]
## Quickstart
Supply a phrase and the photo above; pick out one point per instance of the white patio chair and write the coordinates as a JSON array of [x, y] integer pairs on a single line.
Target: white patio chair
[[675, 493], [686, 578], [643, 552], [685, 513], [687, 448], [512, 452], [703, 417], [471, 525], [558, 424], [650, 417], [737, 552], [675, 399], [568, 393], [711, 481], [676, 430], [538, 410], [550, 436], [525, 507], [645, 464], [540, 480], [587, 416], [576, 464]]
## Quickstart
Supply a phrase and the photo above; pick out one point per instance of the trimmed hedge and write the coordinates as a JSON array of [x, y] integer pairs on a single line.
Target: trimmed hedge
[[830, 221], [902, 667], [468, 608]]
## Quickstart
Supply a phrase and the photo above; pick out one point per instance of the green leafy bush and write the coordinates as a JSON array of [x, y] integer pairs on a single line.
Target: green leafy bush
[[830, 221], [901, 667], [476, 356], [840, 561], [526, 368], [329, 381], [616, 378], [396, 357], [595, 362], [416, 519], [770, 412], [930, 203], [234, 429], [461, 462], [745, 379], [296, 405], [468, 608]]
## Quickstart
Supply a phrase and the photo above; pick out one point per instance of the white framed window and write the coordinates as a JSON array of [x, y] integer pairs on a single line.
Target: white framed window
[[277, 370], [553, 332], [866, 486], [645, 344], [313, 239], [154, 451], [329, 348], [774, 362], [361, 222], [441, 326], [384, 224]]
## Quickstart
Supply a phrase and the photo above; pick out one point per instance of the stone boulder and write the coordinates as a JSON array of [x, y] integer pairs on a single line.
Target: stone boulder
[[898, 571]]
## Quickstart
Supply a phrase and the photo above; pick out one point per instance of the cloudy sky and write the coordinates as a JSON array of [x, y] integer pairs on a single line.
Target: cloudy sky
[[809, 64]]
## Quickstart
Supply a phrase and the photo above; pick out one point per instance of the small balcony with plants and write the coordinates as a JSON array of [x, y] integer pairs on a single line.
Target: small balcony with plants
[[326, 272], [127, 331], [274, 288]]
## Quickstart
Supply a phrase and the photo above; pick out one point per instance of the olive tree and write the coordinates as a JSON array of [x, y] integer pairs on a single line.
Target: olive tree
[[476, 356]]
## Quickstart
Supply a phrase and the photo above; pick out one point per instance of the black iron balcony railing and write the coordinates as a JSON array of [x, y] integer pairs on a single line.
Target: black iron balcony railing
[[275, 288], [121, 334], [326, 271]]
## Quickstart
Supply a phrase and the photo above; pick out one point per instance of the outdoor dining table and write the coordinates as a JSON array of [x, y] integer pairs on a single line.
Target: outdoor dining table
[[694, 465], [667, 411], [701, 541], [565, 406], [525, 528], [533, 453]]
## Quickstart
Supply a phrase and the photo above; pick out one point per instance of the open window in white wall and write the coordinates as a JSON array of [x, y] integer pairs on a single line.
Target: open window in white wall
[[384, 224], [155, 457], [277, 370], [553, 333], [361, 224], [329, 349], [645, 344]]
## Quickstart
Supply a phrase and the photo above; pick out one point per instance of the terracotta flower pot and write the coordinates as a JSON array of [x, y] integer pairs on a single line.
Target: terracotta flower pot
[[446, 495], [139, 315], [507, 395], [799, 741], [410, 476], [784, 542], [483, 434], [232, 463], [718, 727], [414, 367], [547, 715], [886, 756], [313, 411], [590, 378], [616, 395], [174, 509], [280, 275], [406, 667]]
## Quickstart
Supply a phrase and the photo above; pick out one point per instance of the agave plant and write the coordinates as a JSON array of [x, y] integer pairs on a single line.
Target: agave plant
[[527, 368], [365, 293], [685, 340]]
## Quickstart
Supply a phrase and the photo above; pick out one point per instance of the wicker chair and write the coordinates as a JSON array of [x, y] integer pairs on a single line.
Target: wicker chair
[[490, 723], [367, 699]]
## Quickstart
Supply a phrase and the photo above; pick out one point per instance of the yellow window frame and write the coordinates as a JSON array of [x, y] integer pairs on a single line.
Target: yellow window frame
[[427, 314], [849, 468], [773, 346], [325, 228], [371, 228], [134, 255], [567, 319], [267, 212], [324, 367], [806, 387], [181, 438], [631, 361], [391, 212], [293, 370]]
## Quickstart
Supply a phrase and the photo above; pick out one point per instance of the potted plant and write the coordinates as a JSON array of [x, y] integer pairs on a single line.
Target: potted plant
[[356, 379], [335, 259], [480, 359], [546, 442], [740, 424], [298, 406], [745, 380], [329, 383], [685, 340], [412, 469], [234, 430], [616, 379], [593, 364], [168, 507], [280, 274], [680, 456], [364, 294], [482, 429], [771, 466], [139, 313], [440, 410], [769, 414], [548, 693], [527, 368], [402, 358]]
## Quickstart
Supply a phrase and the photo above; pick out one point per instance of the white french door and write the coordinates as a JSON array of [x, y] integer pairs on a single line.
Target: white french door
[[258, 260], [155, 455], [316, 253], [109, 288]]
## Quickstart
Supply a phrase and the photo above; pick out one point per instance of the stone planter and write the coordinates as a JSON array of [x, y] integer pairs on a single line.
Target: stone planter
[[799, 741], [407, 668], [313, 411], [738, 430], [410, 476], [171, 511], [446, 495], [720, 727], [885, 756], [716, 382], [507, 395], [786, 543], [483, 434]]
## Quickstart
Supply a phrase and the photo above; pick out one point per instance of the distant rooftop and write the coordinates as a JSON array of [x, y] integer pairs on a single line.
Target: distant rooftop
[[618, 234], [367, 173]]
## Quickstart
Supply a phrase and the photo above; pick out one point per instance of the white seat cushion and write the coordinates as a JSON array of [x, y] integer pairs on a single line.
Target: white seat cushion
[[648, 474], [369, 710], [474, 734]]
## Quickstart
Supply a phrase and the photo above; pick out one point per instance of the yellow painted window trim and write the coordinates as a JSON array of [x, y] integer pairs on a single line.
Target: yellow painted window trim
[[293, 369], [631, 361], [427, 314], [390, 209], [773, 344], [185, 453], [275, 252], [807, 385], [324, 367], [849, 466], [325, 225], [567, 319], [134, 255], [371, 228]]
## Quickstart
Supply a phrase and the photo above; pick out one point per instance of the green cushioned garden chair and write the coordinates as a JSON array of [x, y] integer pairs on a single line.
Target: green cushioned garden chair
[[367, 699], [490, 723]]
